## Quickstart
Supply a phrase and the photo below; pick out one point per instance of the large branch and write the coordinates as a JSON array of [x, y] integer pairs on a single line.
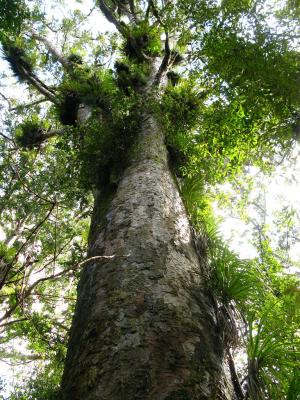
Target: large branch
[[165, 62], [156, 13], [132, 10], [129, 10], [111, 17], [65, 62], [39, 85], [23, 69]]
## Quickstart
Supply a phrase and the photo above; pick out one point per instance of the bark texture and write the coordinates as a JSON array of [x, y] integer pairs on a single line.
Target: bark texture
[[144, 327]]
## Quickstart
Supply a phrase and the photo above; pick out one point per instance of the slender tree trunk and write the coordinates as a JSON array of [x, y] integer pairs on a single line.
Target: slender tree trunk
[[144, 326]]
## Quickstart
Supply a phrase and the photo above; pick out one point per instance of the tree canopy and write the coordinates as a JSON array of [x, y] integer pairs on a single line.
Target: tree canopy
[[227, 96]]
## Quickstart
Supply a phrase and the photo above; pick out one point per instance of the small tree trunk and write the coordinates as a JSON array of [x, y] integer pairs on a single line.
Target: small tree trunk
[[144, 327]]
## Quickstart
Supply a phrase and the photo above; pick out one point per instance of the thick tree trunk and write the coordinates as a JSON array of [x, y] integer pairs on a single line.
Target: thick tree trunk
[[144, 326]]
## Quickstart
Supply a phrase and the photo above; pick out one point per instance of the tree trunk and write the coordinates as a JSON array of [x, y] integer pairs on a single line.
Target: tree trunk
[[145, 326]]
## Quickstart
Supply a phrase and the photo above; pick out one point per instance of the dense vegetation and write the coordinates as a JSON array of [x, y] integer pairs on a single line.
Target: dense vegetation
[[231, 100]]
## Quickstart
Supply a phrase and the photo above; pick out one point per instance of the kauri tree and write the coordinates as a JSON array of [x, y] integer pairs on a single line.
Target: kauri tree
[[129, 130]]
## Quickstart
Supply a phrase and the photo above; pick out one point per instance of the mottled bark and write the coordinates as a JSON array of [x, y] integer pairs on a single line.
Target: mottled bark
[[144, 327]]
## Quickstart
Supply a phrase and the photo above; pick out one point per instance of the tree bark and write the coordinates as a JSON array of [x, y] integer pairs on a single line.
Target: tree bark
[[144, 326]]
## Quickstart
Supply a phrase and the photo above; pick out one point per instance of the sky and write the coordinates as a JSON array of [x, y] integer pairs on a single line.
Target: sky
[[278, 190]]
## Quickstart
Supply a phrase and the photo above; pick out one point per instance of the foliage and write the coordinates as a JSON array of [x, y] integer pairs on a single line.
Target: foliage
[[234, 279], [13, 12], [294, 387], [255, 295], [273, 349], [43, 384]]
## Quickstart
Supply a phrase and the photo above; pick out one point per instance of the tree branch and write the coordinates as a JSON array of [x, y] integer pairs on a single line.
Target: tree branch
[[235, 379], [148, 10], [23, 69], [32, 233], [132, 9], [100, 258], [129, 10], [165, 62], [26, 187], [6, 137], [13, 322], [39, 85], [155, 12], [111, 17], [22, 358], [7, 100], [28, 105], [53, 276], [65, 62]]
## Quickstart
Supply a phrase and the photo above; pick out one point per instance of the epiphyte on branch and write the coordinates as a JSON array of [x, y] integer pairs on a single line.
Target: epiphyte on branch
[[173, 77], [18, 61]]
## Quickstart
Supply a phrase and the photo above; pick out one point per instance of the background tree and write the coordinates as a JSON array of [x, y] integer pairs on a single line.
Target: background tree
[[181, 96]]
